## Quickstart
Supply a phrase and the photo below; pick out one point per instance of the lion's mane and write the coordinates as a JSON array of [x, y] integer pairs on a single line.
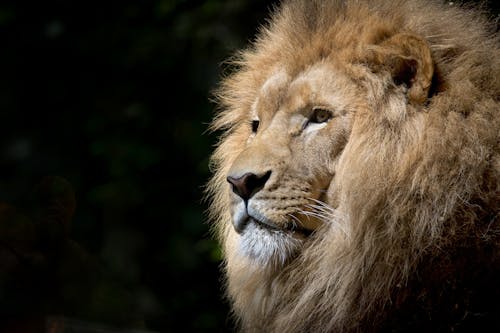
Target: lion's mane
[[420, 195]]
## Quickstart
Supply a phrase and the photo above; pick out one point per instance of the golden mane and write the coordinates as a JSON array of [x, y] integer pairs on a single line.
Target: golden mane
[[420, 195]]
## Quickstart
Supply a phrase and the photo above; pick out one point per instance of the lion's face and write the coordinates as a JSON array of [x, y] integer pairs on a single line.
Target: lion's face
[[283, 179]]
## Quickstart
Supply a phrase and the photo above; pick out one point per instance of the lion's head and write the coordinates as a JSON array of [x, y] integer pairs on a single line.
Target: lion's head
[[283, 177], [360, 146]]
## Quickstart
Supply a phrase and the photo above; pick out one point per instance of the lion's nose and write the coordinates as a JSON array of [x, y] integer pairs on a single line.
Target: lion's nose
[[248, 184]]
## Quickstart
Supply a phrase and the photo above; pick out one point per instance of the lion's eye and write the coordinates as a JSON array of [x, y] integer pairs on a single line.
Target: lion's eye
[[320, 116], [255, 125]]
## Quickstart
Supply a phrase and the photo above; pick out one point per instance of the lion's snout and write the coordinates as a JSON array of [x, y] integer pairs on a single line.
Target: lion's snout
[[248, 184]]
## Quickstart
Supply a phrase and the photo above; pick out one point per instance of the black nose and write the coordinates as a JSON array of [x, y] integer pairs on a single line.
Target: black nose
[[248, 184]]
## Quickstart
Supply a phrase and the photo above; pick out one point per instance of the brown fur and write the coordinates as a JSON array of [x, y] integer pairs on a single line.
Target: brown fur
[[408, 172]]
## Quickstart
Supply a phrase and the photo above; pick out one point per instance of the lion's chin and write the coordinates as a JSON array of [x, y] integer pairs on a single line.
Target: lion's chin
[[269, 247]]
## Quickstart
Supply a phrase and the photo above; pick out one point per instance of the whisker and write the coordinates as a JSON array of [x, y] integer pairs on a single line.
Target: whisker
[[322, 208], [295, 219], [318, 216], [326, 213]]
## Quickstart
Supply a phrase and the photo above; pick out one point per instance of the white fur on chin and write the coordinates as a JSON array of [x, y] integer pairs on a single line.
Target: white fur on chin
[[268, 247]]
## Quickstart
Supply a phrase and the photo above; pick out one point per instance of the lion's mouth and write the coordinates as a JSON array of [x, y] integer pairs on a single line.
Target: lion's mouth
[[290, 227]]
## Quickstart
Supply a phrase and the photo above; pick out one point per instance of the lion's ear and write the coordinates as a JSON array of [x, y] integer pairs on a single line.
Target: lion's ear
[[408, 58]]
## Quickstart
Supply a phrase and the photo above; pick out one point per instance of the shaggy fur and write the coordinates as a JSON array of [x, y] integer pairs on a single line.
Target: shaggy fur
[[408, 234]]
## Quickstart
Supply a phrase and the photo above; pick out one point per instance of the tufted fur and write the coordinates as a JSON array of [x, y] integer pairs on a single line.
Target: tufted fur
[[408, 234]]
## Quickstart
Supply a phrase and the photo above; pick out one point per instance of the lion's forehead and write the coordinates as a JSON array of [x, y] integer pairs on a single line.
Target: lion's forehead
[[320, 84], [270, 93], [277, 80]]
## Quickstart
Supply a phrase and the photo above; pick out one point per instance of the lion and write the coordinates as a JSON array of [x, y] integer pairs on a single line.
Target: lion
[[356, 182]]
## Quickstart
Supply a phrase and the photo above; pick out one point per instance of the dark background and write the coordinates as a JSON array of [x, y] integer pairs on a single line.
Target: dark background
[[114, 98]]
